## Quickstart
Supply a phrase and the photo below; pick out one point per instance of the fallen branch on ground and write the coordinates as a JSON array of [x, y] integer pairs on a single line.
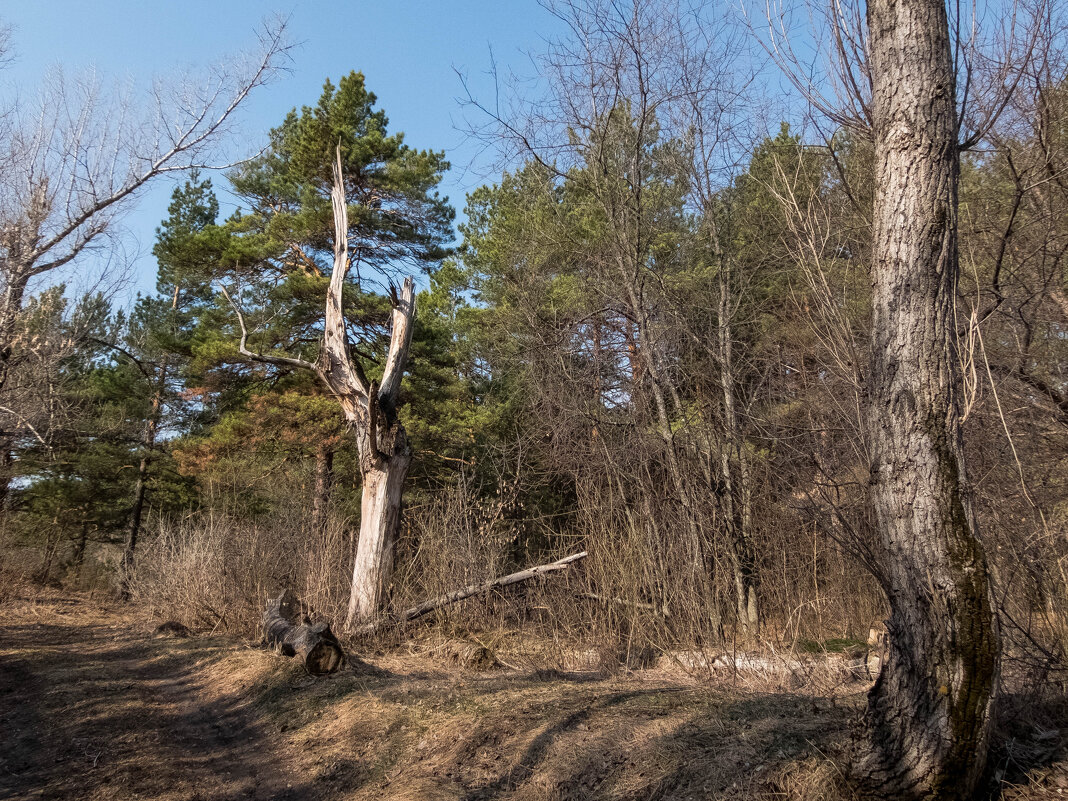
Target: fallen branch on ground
[[474, 589]]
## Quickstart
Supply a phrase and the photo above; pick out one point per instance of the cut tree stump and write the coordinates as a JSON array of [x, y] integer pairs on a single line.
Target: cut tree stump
[[287, 627]]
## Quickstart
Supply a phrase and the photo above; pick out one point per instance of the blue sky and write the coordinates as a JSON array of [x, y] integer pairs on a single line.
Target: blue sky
[[408, 50]]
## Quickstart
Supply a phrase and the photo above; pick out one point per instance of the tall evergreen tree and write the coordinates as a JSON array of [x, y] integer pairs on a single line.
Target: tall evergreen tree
[[338, 208], [159, 339]]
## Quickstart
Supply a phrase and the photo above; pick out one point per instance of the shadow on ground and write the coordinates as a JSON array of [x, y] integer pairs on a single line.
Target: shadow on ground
[[91, 709]]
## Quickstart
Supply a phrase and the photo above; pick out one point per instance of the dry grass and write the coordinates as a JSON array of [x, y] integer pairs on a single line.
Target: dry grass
[[98, 708], [215, 572]]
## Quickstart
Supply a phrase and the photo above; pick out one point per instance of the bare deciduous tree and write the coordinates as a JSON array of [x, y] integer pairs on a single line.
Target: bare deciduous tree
[[929, 714], [639, 94], [73, 160]]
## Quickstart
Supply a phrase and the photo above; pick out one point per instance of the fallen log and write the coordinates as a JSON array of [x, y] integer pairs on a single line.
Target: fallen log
[[287, 627], [467, 592]]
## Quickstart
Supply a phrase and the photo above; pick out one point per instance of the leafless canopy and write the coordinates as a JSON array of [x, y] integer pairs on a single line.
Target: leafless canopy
[[73, 155], [827, 58]]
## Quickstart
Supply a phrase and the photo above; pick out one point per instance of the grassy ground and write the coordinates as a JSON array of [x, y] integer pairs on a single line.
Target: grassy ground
[[92, 706]]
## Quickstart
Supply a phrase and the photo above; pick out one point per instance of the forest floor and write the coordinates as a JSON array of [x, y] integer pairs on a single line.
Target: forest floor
[[93, 706]]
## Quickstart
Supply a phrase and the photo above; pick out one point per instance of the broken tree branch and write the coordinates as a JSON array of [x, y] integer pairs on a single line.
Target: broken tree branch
[[242, 347], [403, 318], [469, 591]]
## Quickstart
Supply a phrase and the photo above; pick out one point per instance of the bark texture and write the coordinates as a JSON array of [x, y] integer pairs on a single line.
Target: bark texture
[[288, 627], [929, 713], [324, 485], [383, 482]]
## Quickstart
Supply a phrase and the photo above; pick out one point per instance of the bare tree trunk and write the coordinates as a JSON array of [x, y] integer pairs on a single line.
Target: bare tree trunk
[[929, 714], [380, 507], [133, 525], [737, 493], [371, 411], [78, 557], [324, 485]]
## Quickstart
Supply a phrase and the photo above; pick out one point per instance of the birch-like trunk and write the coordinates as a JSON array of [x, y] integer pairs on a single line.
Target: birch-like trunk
[[379, 521], [929, 713]]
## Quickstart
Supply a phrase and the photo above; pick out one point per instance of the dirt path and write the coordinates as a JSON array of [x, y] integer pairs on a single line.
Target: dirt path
[[93, 707]]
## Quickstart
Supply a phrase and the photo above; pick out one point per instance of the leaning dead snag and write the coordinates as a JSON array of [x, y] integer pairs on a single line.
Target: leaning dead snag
[[287, 627], [469, 591]]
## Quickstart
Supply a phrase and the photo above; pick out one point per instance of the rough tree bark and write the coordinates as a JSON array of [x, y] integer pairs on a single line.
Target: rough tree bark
[[929, 713], [371, 412], [288, 627], [324, 485]]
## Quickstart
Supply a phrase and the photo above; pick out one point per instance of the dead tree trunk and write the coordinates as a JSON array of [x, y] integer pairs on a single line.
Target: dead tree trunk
[[929, 713], [287, 627], [371, 412], [383, 482]]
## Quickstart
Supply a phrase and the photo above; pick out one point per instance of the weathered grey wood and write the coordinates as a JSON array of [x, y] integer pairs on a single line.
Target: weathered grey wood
[[469, 591], [385, 453], [286, 626], [929, 713], [370, 410]]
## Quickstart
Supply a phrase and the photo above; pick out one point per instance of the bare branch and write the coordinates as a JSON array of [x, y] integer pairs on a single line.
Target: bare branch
[[282, 361]]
